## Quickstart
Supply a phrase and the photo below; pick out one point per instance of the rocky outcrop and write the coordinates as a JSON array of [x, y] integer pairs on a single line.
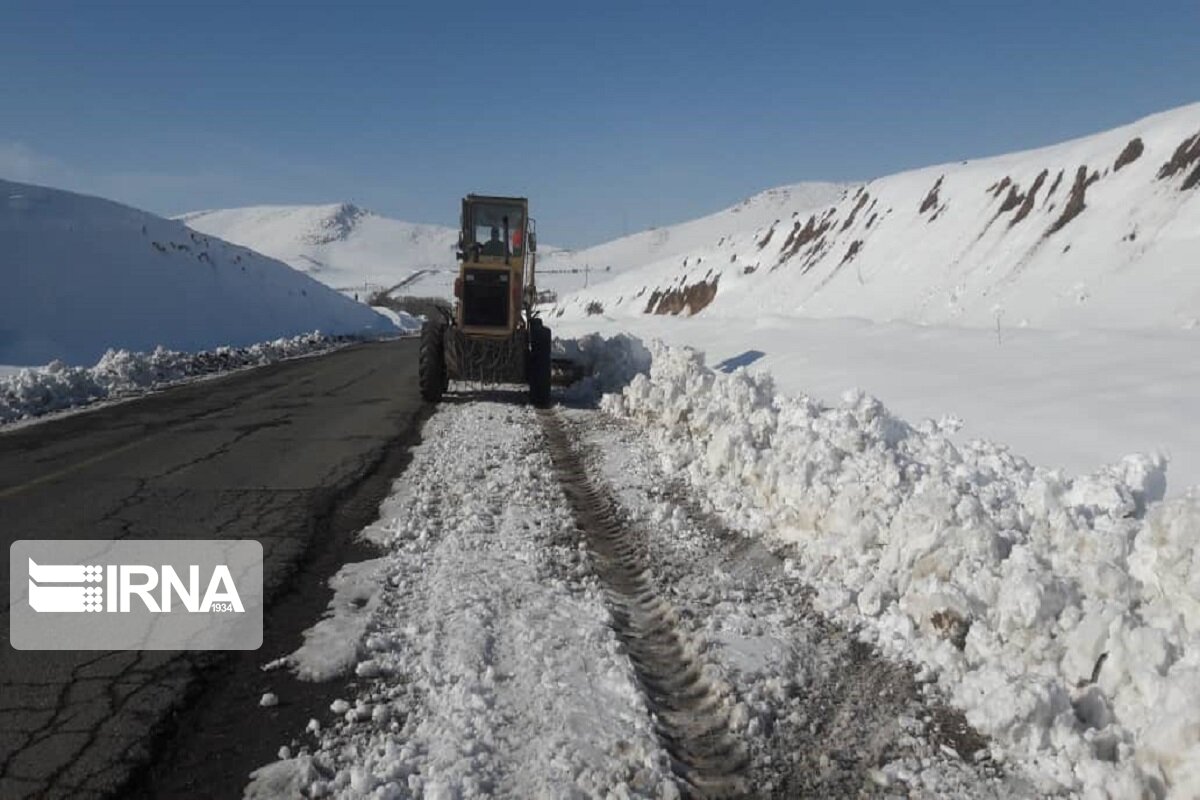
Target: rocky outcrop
[[1075, 203], [1132, 152], [691, 299], [1181, 160], [931, 199], [1030, 198]]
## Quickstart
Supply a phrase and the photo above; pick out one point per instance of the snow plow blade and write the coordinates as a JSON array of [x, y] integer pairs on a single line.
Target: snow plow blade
[[564, 372]]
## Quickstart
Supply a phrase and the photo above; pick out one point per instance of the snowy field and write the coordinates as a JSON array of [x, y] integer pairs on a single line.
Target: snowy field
[[1070, 399]]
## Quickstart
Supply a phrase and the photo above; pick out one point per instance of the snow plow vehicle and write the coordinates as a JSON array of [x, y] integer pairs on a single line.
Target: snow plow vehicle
[[493, 335]]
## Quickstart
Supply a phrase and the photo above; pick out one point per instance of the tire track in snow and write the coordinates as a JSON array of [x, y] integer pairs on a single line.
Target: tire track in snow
[[692, 720]]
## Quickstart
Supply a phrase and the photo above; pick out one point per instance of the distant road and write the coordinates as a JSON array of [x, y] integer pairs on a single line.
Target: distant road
[[265, 454]]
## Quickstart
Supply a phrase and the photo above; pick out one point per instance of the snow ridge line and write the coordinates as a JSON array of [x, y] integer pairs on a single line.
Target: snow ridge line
[[691, 711]]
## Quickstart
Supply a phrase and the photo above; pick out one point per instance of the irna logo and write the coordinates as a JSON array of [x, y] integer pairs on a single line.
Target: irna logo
[[136, 594], [80, 588]]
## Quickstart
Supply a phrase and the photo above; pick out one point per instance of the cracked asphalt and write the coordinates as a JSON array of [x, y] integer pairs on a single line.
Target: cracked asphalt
[[262, 454]]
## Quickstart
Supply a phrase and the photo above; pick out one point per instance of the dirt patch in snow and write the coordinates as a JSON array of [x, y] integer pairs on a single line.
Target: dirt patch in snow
[[855, 246], [1192, 180], [800, 236], [1014, 198], [862, 201], [1132, 152], [1075, 202], [1187, 153], [1054, 186], [693, 299], [763, 242], [1030, 198], [931, 199]]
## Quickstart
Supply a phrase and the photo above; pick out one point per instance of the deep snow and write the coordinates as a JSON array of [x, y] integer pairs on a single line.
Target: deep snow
[[1062, 613], [341, 245], [571, 270], [359, 252], [80, 275], [1067, 399], [1070, 236]]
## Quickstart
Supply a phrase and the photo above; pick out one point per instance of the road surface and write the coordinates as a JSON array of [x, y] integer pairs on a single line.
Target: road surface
[[273, 454]]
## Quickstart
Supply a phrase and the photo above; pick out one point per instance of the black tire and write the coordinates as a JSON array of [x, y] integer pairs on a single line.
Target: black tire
[[432, 375], [539, 364]]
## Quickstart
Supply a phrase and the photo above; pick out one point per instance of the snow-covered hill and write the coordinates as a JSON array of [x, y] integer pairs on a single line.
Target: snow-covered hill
[[359, 252], [345, 247], [572, 270], [1102, 231], [80, 275]]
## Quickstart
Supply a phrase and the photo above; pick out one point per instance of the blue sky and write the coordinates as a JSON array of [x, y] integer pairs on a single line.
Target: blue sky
[[610, 117]]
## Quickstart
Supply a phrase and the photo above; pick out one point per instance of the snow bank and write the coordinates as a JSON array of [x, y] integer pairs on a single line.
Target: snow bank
[[82, 274], [1061, 613], [1026, 387], [403, 321], [34, 391], [608, 363]]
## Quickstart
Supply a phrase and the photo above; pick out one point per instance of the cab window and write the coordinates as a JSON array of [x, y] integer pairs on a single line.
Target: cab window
[[491, 223]]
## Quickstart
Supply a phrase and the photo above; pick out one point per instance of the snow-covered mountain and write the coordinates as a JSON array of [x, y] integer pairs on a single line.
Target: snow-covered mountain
[[81, 274], [1102, 231], [358, 252], [345, 247], [571, 270]]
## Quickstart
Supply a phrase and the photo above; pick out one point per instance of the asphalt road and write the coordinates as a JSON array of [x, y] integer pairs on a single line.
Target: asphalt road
[[271, 454]]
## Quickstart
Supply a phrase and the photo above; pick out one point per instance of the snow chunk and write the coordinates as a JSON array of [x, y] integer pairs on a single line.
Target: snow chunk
[[331, 646]]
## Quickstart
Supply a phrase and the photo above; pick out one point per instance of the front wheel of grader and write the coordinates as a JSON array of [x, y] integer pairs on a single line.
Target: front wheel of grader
[[539, 363], [432, 375]]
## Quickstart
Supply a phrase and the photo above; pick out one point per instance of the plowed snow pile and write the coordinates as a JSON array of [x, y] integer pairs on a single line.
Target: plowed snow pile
[[34, 391], [80, 275], [1061, 613]]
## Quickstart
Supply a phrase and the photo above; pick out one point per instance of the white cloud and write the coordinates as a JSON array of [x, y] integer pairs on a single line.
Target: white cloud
[[164, 192], [19, 162]]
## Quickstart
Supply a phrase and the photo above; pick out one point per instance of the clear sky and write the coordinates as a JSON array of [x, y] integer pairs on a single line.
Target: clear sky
[[610, 116]]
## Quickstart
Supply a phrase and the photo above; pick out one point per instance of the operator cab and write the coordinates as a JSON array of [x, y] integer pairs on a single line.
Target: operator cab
[[495, 244], [493, 229]]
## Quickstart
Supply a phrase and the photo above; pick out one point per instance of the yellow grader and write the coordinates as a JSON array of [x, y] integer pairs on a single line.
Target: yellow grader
[[493, 335]]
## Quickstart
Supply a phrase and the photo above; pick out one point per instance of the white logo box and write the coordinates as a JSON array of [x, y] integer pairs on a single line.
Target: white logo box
[[136, 594]]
